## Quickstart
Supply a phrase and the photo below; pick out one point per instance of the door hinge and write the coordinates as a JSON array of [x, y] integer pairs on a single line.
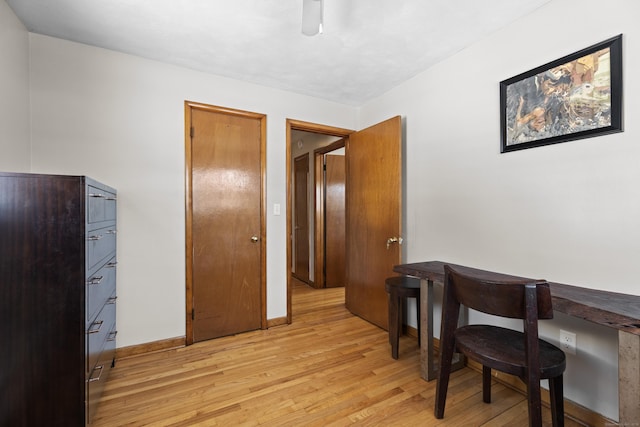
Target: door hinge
[[193, 314], [192, 131]]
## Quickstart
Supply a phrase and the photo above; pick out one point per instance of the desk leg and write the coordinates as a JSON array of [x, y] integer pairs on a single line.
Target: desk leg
[[428, 371], [628, 378]]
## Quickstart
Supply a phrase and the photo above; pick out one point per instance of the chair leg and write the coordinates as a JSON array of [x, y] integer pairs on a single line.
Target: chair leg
[[557, 401], [486, 384], [535, 402], [444, 372], [447, 345], [450, 312], [394, 323]]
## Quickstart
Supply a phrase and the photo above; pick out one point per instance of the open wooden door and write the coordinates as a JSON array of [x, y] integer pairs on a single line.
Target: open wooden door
[[374, 217]]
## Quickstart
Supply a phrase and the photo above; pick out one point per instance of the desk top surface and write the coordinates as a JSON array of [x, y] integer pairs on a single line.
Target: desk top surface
[[610, 309]]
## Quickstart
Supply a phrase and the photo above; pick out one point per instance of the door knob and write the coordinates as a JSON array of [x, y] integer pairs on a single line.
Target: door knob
[[254, 239], [391, 240]]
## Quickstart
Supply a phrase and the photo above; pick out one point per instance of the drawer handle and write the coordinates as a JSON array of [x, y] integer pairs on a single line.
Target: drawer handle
[[97, 195], [112, 336], [97, 325], [111, 198], [112, 264], [98, 237], [112, 300], [112, 232], [99, 369], [95, 280]]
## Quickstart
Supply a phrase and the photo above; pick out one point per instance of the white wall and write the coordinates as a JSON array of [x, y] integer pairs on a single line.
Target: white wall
[[567, 212], [14, 90], [120, 119]]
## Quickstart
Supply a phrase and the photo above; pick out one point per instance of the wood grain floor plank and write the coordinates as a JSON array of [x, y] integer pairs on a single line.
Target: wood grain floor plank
[[328, 368]]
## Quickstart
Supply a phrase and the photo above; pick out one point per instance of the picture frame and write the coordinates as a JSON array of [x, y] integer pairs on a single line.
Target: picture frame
[[577, 96]]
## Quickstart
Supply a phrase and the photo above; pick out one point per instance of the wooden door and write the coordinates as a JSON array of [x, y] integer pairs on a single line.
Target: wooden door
[[301, 217], [225, 222], [335, 265], [374, 207]]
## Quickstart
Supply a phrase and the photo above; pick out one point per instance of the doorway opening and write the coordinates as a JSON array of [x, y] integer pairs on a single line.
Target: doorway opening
[[318, 209], [330, 215], [373, 220], [307, 191]]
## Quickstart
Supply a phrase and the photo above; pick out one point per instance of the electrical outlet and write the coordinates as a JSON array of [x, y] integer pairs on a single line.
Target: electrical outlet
[[568, 342]]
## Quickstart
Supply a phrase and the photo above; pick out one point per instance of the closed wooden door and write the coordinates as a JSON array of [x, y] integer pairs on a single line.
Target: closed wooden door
[[225, 239], [301, 217], [374, 207], [335, 262]]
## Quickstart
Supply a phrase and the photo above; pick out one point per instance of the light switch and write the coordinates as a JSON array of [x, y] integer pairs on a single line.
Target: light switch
[[276, 208]]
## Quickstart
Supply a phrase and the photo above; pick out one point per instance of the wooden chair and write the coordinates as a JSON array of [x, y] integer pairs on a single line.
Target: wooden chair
[[521, 354], [399, 288]]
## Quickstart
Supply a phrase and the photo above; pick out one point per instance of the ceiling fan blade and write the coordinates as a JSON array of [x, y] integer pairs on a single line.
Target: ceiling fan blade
[[312, 17]]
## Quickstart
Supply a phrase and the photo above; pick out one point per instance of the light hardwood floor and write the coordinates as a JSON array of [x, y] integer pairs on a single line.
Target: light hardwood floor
[[327, 368]]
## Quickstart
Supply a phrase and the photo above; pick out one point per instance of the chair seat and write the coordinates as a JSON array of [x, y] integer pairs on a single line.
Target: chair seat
[[403, 286], [503, 349]]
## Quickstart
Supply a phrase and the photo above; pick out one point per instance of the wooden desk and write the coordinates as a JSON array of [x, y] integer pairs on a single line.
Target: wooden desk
[[610, 309]]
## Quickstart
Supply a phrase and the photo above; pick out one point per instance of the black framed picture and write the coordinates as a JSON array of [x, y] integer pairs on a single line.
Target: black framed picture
[[577, 96]]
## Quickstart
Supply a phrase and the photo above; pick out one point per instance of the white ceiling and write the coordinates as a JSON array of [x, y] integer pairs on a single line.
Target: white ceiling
[[367, 48]]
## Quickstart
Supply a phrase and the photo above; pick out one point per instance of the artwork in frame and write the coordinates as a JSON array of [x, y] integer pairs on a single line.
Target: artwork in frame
[[577, 96]]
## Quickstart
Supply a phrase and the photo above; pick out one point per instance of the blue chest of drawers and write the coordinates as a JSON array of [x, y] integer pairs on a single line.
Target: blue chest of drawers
[[57, 297]]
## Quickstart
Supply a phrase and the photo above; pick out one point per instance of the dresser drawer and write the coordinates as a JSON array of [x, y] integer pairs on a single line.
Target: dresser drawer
[[101, 205], [100, 286], [98, 377], [100, 332], [101, 243]]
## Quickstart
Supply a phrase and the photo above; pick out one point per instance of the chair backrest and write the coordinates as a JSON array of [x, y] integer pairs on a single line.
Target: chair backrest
[[501, 298]]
